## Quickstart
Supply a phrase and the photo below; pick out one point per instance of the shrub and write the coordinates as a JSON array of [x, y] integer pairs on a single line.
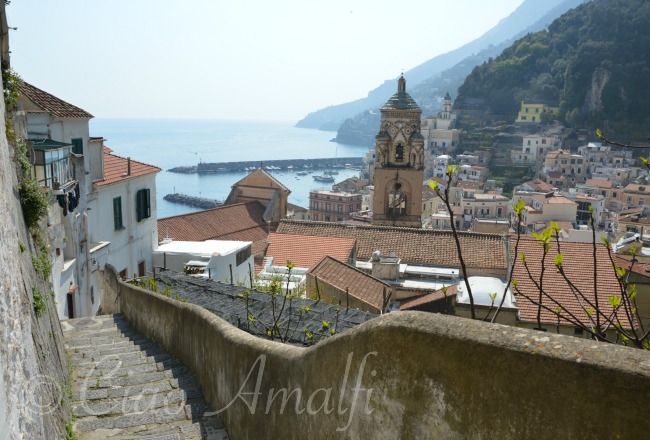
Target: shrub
[[34, 201], [11, 80], [39, 302]]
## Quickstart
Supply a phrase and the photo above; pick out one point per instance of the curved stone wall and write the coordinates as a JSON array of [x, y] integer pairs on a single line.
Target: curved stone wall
[[405, 375]]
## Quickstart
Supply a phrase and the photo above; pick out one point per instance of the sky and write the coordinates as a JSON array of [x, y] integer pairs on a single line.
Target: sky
[[232, 59]]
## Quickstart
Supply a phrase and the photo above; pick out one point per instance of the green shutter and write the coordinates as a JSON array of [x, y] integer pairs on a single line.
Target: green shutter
[[138, 205], [147, 203], [77, 145], [143, 205], [117, 212]]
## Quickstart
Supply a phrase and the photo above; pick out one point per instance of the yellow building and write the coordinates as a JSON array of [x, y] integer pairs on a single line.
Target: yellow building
[[531, 112]]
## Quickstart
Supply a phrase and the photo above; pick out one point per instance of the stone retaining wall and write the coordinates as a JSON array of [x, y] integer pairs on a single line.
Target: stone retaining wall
[[404, 375]]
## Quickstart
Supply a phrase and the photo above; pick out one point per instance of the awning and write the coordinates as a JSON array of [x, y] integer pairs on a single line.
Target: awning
[[47, 144]]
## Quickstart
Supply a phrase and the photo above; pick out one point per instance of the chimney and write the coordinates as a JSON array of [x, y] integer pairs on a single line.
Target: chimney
[[128, 166]]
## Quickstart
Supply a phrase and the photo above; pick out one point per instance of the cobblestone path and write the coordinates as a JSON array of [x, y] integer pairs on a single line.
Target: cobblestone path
[[127, 387]]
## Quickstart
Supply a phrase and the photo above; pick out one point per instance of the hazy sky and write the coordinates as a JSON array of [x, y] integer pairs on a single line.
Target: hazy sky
[[235, 59]]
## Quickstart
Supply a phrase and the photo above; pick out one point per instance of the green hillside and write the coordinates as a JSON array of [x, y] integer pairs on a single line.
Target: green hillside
[[594, 61]]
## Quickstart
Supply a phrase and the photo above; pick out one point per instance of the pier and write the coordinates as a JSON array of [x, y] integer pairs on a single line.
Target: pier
[[279, 164]]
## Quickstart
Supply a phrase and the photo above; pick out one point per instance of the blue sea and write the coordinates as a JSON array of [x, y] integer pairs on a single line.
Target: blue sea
[[172, 143]]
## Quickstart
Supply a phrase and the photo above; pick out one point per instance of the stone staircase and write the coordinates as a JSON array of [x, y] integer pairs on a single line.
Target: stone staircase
[[127, 387]]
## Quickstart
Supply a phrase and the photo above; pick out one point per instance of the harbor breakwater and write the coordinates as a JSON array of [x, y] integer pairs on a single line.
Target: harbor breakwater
[[278, 164], [195, 202]]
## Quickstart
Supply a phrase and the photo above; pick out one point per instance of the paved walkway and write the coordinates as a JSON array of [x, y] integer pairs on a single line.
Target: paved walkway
[[127, 387]]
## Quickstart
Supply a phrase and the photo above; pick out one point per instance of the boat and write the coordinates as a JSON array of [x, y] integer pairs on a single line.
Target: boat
[[331, 172], [318, 178], [290, 167], [302, 173]]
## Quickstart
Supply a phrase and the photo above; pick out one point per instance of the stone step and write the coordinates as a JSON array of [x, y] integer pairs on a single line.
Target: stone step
[[83, 341], [127, 387], [167, 414], [208, 428], [95, 356], [137, 403], [133, 360], [116, 368]]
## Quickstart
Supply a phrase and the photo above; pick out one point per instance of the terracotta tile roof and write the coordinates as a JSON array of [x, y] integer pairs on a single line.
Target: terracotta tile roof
[[359, 284], [579, 268], [555, 200], [241, 221], [306, 251], [414, 246], [116, 167], [540, 185], [640, 268], [556, 175], [633, 187], [469, 184], [50, 103], [565, 225], [296, 208], [599, 183], [428, 193], [257, 174], [425, 299]]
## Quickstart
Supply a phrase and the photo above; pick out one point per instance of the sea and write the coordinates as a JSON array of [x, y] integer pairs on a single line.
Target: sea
[[171, 143]]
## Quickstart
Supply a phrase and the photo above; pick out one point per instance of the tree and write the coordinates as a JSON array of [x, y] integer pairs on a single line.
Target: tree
[[619, 315]]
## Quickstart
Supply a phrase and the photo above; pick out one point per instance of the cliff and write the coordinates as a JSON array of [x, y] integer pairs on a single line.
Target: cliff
[[592, 62]]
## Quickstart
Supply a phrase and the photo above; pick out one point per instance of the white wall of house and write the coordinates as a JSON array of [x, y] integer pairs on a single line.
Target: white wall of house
[[135, 241]]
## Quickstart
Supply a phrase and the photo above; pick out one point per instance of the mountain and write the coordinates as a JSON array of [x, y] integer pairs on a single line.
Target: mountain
[[523, 19], [594, 62]]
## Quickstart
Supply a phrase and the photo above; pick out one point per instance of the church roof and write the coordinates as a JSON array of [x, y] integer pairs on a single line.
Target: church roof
[[447, 97], [401, 100]]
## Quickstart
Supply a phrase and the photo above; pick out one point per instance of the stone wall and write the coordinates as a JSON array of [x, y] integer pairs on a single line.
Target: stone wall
[[404, 375], [34, 382]]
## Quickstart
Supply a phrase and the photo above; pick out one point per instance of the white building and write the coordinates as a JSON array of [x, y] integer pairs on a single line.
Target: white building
[[225, 261], [534, 148], [439, 131], [129, 188], [440, 164], [84, 180]]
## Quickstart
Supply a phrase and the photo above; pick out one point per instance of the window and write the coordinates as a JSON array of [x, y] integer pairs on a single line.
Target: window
[[117, 213], [124, 273], [243, 255], [316, 206], [399, 153], [141, 269], [327, 207], [77, 145], [142, 204]]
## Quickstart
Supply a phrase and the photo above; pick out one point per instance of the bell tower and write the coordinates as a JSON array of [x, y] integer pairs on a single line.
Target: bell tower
[[399, 162]]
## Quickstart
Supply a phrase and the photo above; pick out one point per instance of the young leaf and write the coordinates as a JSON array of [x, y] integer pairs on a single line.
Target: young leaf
[[558, 260], [614, 301]]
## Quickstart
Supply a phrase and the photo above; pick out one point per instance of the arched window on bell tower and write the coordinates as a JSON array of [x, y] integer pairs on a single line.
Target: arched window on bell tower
[[399, 153], [397, 201]]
